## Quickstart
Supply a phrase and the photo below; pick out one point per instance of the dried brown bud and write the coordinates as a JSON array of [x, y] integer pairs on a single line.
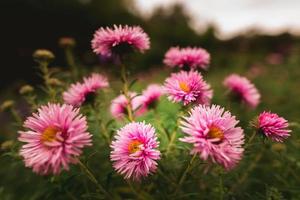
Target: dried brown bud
[[6, 105], [43, 55], [7, 144], [54, 82], [26, 89]]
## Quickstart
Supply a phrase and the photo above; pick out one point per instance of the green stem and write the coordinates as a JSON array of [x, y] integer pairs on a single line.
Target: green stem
[[183, 176], [16, 115], [71, 61], [46, 76], [126, 94], [93, 179], [221, 189], [250, 139]]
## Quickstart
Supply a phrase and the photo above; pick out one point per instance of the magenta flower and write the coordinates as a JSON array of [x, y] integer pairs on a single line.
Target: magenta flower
[[151, 97], [118, 107], [242, 89], [56, 136], [118, 39], [214, 135], [79, 93], [188, 87], [134, 150], [273, 126], [187, 58]]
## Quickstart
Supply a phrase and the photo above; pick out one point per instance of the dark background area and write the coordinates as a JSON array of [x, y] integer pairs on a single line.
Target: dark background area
[[31, 24]]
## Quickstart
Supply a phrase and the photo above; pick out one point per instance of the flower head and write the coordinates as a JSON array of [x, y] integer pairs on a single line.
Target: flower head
[[134, 150], [79, 93], [118, 107], [119, 39], [56, 135], [187, 58], [273, 126], [188, 87], [241, 88], [214, 135], [151, 97]]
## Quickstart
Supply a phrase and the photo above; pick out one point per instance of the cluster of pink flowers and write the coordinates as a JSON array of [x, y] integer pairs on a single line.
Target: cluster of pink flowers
[[56, 134], [78, 92], [188, 58]]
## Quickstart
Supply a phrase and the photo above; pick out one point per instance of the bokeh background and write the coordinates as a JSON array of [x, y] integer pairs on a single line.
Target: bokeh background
[[258, 39]]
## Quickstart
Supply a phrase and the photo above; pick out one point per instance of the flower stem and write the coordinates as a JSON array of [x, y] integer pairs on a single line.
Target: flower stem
[[183, 176], [93, 179], [126, 94], [71, 61], [250, 139], [46, 76]]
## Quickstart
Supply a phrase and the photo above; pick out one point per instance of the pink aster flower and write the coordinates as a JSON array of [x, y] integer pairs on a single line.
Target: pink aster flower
[[118, 39], [188, 87], [273, 126], [242, 89], [118, 107], [55, 138], [214, 135], [187, 58], [151, 97], [79, 93], [134, 150]]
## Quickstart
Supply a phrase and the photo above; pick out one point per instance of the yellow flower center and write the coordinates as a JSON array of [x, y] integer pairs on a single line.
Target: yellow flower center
[[184, 87], [134, 146], [49, 134], [215, 132]]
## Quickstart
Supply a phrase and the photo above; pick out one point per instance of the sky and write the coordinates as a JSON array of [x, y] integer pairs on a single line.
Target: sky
[[234, 17]]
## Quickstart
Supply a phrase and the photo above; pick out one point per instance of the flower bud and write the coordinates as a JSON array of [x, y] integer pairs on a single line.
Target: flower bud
[[54, 82], [6, 105], [66, 42], [43, 55], [26, 89]]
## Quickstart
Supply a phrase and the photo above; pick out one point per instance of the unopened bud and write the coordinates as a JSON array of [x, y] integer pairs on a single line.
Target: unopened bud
[[43, 55], [7, 144], [26, 89], [66, 42], [6, 105], [54, 82]]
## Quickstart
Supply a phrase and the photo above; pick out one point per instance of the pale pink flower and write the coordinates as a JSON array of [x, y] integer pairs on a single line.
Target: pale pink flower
[[118, 107], [107, 40], [273, 126], [214, 135], [135, 151], [242, 89], [79, 93], [55, 138], [151, 96], [187, 58], [188, 87]]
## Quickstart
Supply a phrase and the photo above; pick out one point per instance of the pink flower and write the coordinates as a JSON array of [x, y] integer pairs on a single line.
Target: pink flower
[[79, 93], [151, 97], [214, 135], [56, 137], [242, 89], [118, 107], [118, 39], [134, 150], [188, 87], [188, 58], [273, 126]]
